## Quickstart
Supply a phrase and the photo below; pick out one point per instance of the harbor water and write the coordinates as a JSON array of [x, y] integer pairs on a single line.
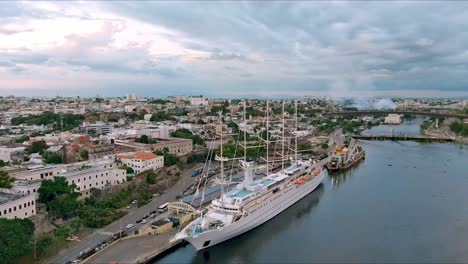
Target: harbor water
[[406, 202]]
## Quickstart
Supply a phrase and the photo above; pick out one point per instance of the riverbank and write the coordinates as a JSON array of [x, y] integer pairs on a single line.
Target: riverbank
[[395, 206]]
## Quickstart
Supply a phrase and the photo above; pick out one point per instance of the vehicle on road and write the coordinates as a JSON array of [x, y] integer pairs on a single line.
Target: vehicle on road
[[153, 215], [197, 172], [130, 226], [156, 194], [163, 208], [146, 216], [130, 206], [153, 212], [143, 221], [139, 221], [134, 201]]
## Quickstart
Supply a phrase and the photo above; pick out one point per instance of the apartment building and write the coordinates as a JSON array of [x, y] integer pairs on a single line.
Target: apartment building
[[177, 146], [14, 205], [141, 161]]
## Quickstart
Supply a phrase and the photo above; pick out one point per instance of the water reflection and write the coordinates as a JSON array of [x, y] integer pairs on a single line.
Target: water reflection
[[242, 249], [339, 177]]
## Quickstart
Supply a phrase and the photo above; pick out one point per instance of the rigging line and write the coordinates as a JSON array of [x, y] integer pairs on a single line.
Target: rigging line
[[235, 155], [210, 150], [205, 177]]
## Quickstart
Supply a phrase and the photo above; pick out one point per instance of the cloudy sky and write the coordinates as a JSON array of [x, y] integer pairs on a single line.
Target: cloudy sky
[[261, 48]]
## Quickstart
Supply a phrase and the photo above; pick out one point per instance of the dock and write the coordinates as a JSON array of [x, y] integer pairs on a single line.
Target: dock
[[403, 137], [144, 248]]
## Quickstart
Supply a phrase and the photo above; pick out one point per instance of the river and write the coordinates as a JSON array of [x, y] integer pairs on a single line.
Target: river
[[406, 202]]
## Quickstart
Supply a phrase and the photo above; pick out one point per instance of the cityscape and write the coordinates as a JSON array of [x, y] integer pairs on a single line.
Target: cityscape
[[127, 135]]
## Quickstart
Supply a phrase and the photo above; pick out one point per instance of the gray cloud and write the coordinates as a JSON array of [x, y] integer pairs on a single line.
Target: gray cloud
[[342, 47]]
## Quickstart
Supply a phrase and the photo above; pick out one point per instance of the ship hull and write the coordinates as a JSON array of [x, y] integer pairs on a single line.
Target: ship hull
[[347, 165], [289, 196]]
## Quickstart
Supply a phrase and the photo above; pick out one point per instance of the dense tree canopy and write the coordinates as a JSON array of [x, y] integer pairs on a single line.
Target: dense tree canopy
[[70, 121], [6, 181], [161, 116], [185, 133], [51, 158], [37, 147], [15, 238], [459, 128], [169, 158], [60, 198]]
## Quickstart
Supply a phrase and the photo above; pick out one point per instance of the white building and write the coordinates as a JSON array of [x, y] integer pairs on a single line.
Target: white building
[[8, 154], [46, 172], [198, 100], [14, 205], [142, 161], [393, 119], [98, 174], [131, 97], [98, 128], [162, 131]]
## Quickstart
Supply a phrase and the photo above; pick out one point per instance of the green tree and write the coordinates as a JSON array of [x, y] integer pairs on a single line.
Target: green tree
[[43, 242], [52, 189], [2, 163], [22, 139], [185, 133], [76, 225], [52, 158], [15, 240], [6, 181], [151, 177], [62, 232], [64, 205], [127, 168], [84, 154], [37, 147], [161, 116]]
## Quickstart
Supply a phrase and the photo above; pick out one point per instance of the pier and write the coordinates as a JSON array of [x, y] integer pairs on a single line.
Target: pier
[[403, 137]]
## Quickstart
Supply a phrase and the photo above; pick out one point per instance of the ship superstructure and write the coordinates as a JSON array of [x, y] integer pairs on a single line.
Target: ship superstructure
[[253, 201]]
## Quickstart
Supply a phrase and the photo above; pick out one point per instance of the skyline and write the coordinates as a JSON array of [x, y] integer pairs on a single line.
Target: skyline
[[234, 49]]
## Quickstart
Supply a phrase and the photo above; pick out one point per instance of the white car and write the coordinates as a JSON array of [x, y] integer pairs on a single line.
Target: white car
[[130, 226], [143, 221], [130, 206]]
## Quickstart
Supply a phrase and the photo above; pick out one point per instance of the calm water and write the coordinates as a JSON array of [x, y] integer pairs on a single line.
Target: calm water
[[407, 202]]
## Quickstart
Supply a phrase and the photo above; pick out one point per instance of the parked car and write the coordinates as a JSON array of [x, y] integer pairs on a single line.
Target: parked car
[[156, 194], [134, 201], [143, 221], [128, 207], [153, 212], [152, 215], [130, 226], [146, 216], [139, 221]]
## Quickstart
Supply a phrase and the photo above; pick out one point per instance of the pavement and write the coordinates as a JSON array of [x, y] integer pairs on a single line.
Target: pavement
[[141, 246], [134, 214]]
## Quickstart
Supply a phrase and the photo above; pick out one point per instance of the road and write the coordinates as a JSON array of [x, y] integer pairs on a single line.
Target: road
[[141, 246], [134, 214]]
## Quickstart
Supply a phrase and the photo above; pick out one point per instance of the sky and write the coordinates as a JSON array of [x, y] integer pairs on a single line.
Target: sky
[[234, 49]]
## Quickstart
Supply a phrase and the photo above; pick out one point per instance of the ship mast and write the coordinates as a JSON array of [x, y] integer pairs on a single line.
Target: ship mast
[[295, 134], [282, 140], [267, 138], [221, 158]]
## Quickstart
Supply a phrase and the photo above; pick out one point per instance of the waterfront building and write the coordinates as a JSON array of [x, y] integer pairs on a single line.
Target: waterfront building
[[15, 205], [142, 161], [177, 146]]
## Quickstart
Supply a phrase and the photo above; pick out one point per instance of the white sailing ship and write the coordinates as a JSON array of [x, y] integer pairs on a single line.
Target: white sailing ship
[[254, 201]]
